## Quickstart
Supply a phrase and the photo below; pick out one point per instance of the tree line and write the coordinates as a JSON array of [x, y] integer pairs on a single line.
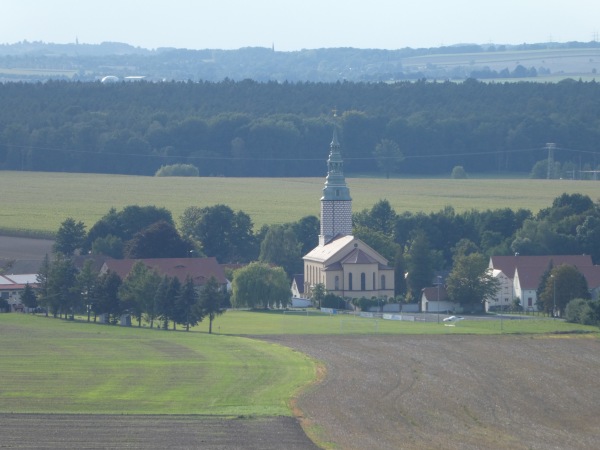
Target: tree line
[[249, 128]]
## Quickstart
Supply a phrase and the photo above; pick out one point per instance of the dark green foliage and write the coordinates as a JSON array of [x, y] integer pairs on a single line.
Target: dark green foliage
[[583, 311], [221, 232], [258, 285], [124, 225], [564, 284], [188, 311], [107, 296], [280, 247], [133, 128], [211, 301], [70, 237], [469, 283], [159, 240], [333, 301], [28, 297]]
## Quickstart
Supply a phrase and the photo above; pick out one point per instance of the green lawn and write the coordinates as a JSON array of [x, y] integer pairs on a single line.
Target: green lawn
[[40, 201], [256, 323], [54, 366]]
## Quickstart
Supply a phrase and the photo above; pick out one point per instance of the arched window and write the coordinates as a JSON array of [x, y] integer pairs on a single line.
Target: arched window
[[337, 283], [363, 282], [382, 281], [350, 281], [374, 285]]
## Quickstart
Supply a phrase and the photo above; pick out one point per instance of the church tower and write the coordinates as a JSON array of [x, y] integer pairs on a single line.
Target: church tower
[[336, 204]]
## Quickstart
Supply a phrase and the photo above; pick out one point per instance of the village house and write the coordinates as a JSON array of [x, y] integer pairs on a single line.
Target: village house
[[11, 287], [200, 270], [520, 276]]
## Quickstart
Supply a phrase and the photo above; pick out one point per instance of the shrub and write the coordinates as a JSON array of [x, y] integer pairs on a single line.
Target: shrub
[[459, 173], [178, 170], [333, 301], [583, 311]]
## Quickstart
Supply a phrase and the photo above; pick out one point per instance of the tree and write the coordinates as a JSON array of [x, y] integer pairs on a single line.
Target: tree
[[86, 281], [62, 291], [137, 291], [459, 173], [388, 156], [70, 237], [162, 305], [188, 310], [159, 240], [221, 232], [469, 282], [211, 299], [420, 265], [307, 232], [281, 248], [564, 284], [28, 297], [107, 296], [317, 294], [258, 285], [42, 282], [108, 245]]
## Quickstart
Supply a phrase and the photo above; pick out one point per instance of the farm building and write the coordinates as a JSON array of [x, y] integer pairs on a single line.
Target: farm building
[[11, 287]]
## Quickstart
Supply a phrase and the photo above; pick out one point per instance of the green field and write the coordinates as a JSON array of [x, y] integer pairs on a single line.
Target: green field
[[53, 366], [39, 202]]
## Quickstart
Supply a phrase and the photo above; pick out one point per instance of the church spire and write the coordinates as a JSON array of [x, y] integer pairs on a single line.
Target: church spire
[[336, 204]]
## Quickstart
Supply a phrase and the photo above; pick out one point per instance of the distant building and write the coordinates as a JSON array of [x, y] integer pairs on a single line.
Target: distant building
[[520, 276], [345, 265], [200, 270]]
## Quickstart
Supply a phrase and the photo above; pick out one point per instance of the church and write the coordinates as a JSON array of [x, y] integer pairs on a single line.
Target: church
[[345, 265]]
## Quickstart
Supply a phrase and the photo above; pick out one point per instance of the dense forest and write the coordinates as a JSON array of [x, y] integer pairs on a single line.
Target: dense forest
[[250, 128]]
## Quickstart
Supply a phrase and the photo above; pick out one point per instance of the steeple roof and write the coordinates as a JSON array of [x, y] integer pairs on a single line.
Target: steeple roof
[[335, 183]]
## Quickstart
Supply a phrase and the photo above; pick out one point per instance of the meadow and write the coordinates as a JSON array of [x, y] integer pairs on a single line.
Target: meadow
[[56, 366], [35, 203]]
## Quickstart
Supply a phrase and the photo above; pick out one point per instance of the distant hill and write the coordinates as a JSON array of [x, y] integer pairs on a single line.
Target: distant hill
[[38, 61]]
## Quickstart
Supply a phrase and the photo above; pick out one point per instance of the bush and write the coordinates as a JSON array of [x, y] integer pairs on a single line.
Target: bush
[[459, 173], [583, 311], [333, 301], [178, 170]]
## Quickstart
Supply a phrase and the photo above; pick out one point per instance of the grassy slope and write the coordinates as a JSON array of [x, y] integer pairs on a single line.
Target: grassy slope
[[39, 202], [53, 366]]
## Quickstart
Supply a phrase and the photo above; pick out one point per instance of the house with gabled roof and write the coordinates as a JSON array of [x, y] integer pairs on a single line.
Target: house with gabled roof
[[11, 287], [526, 273], [344, 264], [200, 270]]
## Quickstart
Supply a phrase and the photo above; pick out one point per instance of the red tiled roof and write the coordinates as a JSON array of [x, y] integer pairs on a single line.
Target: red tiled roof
[[431, 293], [508, 264], [199, 269]]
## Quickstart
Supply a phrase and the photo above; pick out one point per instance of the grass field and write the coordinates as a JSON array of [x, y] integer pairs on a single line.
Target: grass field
[[253, 323], [54, 366], [36, 202]]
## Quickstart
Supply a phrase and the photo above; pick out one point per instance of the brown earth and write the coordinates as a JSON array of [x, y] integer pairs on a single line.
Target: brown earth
[[453, 392], [383, 392]]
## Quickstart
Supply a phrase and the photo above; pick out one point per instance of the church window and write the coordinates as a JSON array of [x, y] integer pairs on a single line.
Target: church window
[[337, 283], [350, 281], [374, 284], [337, 192], [382, 281], [363, 282]]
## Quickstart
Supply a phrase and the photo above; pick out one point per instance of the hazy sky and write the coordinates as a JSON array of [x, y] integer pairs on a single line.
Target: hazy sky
[[298, 24]]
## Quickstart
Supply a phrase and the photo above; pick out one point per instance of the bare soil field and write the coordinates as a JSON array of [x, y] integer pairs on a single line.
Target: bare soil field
[[453, 392], [383, 392], [61, 431]]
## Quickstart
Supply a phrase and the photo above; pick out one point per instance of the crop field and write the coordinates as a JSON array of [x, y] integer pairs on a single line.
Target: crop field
[[36, 203]]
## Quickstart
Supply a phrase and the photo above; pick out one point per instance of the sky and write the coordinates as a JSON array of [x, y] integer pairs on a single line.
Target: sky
[[291, 25]]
